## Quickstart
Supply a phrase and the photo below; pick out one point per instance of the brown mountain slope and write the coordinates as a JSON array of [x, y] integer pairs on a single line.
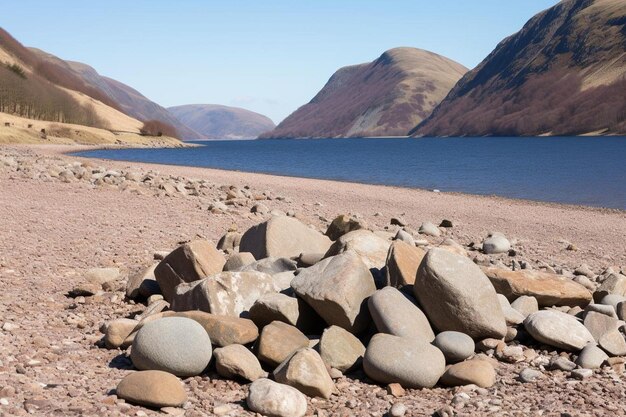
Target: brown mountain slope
[[564, 73], [386, 97], [222, 122], [131, 101]]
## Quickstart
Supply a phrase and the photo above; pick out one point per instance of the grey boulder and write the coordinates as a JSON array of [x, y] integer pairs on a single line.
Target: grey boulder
[[408, 362], [272, 399], [558, 329], [456, 295], [176, 345]]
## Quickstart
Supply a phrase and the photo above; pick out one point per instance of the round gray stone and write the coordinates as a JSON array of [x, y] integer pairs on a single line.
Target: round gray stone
[[456, 346], [591, 357], [411, 363], [176, 345], [558, 329]]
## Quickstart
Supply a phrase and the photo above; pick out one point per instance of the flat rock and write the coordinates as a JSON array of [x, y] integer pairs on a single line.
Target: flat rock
[[558, 329], [236, 361], [272, 399], [475, 371], [336, 288], [394, 313], [548, 289], [402, 263], [152, 389], [340, 349], [282, 237], [176, 345], [278, 341], [530, 375], [456, 295], [305, 370], [224, 330], [187, 263], [101, 276], [411, 363], [224, 293], [369, 246], [455, 346]]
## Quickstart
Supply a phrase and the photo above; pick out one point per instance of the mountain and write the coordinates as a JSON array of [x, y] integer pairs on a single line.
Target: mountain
[[131, 101], [38, 85], [386, 97], [221, 122], [564, 73]]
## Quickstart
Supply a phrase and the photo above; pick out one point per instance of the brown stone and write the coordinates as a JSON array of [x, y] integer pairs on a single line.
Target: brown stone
[[548, 289], [224, 330], [152, 388], [474, 371], [187, 263], [396, 390], [278, 341], [402, 263]]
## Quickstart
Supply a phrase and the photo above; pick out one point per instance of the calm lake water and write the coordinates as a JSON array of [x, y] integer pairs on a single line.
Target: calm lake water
[[577, 170]]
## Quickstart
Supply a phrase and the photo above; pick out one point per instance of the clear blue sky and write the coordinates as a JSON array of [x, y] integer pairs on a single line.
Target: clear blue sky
[[269, 56]]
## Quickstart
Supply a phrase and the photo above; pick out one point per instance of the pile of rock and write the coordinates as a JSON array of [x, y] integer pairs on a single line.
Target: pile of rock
[[291, 310]]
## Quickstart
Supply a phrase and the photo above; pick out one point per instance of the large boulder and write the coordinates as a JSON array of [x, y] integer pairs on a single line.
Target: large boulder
[[337, 289], [155, 389], [282, 237], [549, 289], [394, 313], [224, 330], [599, 324], [225, 293], [558, 329], [272, 399], [402, 263], [236, 361], [238, 260], [305, 370], [456, 295], [408, 362], [368, 245], [340, 349], [278, 341], [176, 345], [187, 263]]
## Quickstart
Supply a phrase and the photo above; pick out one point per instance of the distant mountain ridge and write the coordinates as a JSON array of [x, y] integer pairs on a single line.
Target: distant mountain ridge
[[215, 121], [564, 73], [386, 97]]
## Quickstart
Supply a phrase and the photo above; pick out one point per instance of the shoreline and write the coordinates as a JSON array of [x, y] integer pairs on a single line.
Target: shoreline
[[555, 204]]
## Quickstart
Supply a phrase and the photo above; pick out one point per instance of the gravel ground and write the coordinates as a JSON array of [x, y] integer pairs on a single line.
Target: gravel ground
[[52, 231]]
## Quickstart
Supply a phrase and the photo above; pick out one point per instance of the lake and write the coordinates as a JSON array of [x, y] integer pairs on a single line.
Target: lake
[[577, 170]]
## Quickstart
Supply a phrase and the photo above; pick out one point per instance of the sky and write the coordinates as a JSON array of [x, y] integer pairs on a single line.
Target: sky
[[269, 56]]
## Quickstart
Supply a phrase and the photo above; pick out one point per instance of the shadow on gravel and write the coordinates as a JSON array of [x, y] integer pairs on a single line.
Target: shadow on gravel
[[121, 361]]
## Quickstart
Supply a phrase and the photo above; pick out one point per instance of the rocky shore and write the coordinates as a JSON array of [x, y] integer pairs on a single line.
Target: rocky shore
[[153, 290]]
